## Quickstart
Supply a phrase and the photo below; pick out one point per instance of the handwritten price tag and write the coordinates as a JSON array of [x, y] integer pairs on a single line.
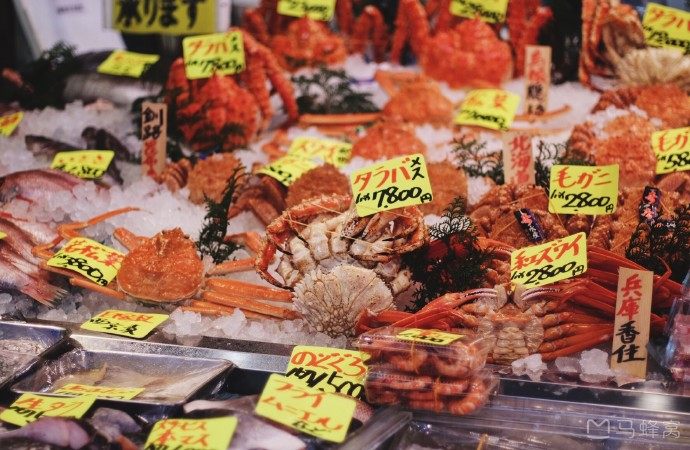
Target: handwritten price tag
[[31, 407], [89, 258], [221, 53], [314, 9], [395, 183], [433, 337], [537, 78], [127, 64], [489, 108], [549, 262], [331, 151], [329, 369], [491, 11], [99, 391], [192, 434], [326, 416], [125, 323], [583, 189], [672, 150], [9, 122], [174, 18], [86, 164], [667, 27], [2, 235], [288, 168]]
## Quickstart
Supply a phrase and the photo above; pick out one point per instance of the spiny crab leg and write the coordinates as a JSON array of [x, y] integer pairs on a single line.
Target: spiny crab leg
[[247, 304]]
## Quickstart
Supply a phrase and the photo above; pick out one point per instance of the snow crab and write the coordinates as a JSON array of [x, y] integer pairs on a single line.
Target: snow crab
[[224, 112]]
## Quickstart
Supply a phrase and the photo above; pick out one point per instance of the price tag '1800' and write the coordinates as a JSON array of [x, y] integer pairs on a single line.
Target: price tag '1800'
[[489, 108], [86, 164], [89, 258], [125, 323], [672, 150], [221, 53], [549, 262], [395, 183], [583, 189]]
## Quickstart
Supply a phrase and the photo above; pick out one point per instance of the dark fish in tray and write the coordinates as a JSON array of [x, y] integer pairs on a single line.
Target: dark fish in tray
[[101, 139], [32, 185]]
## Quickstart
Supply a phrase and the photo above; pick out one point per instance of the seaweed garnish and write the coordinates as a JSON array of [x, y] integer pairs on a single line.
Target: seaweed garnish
[[452, 261], [212, 237], [471, 156], [330, 92]]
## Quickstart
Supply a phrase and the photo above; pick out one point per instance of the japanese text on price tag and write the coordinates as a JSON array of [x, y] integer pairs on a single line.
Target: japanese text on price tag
[[86, 164], [165, 16], [489, 108], [125, 323], [583, 189], [314, 9], [537, 78], [154, 138], [99, 391], [288, 169], [128, 64], [2, 235], [31, 407], [326, 416], [331, 151], [667, 27], [395, 183], [221, 53], [192, 434], [433, 337], [329, 369], [672, 150], [631, 327], [9, 122], [491, 11], [549, 262], [89, 258], [518, 159]]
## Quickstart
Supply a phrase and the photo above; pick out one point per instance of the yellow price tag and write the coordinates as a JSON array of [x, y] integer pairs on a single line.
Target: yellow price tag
[[314, 9], [89, 258], [287, 169], [395, 183], [99, 391], [491, 11], [127, 64], [125, 323], [329, 369], [583, 189], [433, 337], [205, 55], [9, 122], [192, 434], [326, 416], [549, 262], [667, 27], [672, 150], [175, 18], [489, 108], [86, 164], [331, 151], [31, 407], [3, 235]]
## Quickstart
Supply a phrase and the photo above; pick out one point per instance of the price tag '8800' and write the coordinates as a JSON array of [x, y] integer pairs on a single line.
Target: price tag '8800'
[[583, 189], [552, 261], [86, 164], [395, 183], [221, 53], [314, 9], [489, 108], [89, 258]]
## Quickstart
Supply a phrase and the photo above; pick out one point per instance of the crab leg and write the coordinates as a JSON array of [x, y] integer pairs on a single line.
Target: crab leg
[[571, 329], [307, 120], [250, 305], [567, 346], [86, 284], [243, 289], [213, 308], [250, 239], [68, 231], [239, 265]]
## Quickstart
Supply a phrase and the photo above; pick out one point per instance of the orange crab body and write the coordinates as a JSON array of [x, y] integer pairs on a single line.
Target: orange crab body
[[308, 43]]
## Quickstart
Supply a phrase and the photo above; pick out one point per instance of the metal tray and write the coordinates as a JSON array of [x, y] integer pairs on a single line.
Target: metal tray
[[190, 375], [47, 340]]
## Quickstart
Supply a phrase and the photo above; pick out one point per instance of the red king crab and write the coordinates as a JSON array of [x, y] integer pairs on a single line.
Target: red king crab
[[228, 111]]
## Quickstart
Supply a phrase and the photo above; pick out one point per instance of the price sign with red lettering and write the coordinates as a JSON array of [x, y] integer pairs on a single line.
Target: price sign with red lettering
[[392, 184], [329, 150], [631, 326], [537, 78], [329, 369], [491, 11], [127, 64], [125, 323], [9, 122], [154, 138], [86, 164], [672, 150], [99, 391], [518, 159], [583, 189], [433, 337], [489, 108], [31, 407], [667, 27], [311, 411], [552, 261], [313, 9], [288, 169], [221, 53], [192, 434], [89, 258]]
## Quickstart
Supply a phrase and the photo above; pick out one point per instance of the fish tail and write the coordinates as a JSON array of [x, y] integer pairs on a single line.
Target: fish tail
[[43, 292]]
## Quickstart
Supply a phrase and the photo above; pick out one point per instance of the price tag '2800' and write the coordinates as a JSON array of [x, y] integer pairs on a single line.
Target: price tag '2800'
[[89, 258], [583, 189], [549, 262], [395, 183]]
